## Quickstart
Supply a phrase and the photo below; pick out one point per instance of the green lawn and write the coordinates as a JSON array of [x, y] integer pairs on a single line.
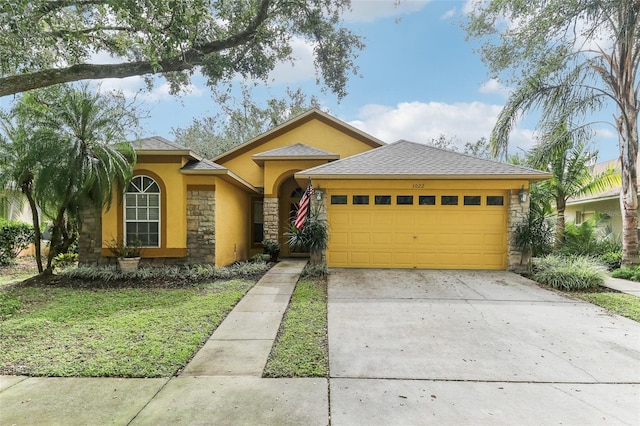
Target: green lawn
[[623, 304], [14, 276], [57, 331], [301, 346]]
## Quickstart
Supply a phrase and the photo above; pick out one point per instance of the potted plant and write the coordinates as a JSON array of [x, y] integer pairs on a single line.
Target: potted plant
[[313, 237], [128, 255], [272, 248]]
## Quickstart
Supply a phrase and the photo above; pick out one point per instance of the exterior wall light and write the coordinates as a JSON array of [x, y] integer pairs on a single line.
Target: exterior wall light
[[522, 195], [318, 192]]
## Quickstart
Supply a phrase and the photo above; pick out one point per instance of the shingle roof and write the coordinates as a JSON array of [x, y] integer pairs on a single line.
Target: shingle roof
[[157, 143], [295, 151], [404, 158], [202, 165]]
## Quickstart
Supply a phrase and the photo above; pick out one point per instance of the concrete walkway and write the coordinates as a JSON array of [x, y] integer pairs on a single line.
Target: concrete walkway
[[221, 385], [624, 286]]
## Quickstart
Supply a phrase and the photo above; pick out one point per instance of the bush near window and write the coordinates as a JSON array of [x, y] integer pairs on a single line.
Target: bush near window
[[569, 272], [14, 237], [584, 240], [632, 274]]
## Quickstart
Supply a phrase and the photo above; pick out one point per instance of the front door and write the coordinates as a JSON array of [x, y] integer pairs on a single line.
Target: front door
[[289, 197]]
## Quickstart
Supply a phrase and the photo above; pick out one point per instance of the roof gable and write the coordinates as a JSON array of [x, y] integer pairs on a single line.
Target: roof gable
[[404, 159], [312, 114], [297, 151]]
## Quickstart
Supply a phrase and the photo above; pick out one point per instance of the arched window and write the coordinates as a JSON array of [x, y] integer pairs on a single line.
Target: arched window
[[142, 212]]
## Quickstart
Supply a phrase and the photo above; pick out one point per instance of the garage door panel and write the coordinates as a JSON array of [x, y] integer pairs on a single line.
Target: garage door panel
[[338, 238], [382, 258], [382, 218], [359, 258], [403, 259], [338, 258], [491, 240], [402, 238], [339, 219], [360, 238], [379, 238]]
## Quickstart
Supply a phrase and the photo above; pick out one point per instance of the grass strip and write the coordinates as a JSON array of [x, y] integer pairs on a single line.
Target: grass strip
[[623, 304], [300, 349], [53, 331]]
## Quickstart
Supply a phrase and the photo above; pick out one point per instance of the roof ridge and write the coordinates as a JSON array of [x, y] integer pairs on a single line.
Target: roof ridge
[[492, 160]]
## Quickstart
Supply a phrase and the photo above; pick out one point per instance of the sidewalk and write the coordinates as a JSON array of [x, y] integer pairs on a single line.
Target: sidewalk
[[624, 286], [221, 385]]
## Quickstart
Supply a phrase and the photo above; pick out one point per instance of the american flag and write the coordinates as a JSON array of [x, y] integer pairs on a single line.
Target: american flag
[[303, 207]]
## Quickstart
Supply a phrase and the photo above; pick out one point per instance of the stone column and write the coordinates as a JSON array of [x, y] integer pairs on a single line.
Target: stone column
[[321, 206], [271, 219], [90, 238], [201, 226], [518, 213]]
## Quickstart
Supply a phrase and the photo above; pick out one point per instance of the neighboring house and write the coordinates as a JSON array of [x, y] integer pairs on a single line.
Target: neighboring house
[[402, 205], [605, 204]]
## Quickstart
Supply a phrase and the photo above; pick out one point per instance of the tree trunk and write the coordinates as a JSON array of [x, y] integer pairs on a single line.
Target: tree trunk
[[624, 68], [628, 133], [37, 235], [560, 222]]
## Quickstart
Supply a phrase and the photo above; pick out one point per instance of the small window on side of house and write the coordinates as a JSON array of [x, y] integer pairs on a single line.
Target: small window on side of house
[[472, 200], [427, 200], [360, 199], [404, 200], [382, 200], [338, 199], [495, 200], [578, 218], [449, 200], [258, 221]]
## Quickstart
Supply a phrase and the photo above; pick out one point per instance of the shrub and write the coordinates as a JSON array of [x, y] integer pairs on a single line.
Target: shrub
[[65, 259], [569, 272], [584, 240], [312, 271], [632, 274], [534, 235], [611, 259], [196, 273], [14, 237]]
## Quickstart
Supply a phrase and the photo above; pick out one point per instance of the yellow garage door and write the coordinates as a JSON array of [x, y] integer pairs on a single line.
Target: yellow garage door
[[440, 230]]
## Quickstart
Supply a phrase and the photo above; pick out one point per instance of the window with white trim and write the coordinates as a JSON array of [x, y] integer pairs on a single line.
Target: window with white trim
[[142, 212]]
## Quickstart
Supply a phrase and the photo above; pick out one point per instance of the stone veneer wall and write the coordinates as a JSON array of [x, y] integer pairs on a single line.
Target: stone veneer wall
[[90, 238], [517, 213], [201, 226], [271, 219], [322, 206]]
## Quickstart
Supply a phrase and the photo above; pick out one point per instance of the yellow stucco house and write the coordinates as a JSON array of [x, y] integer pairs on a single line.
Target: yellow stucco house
[[401, 205]]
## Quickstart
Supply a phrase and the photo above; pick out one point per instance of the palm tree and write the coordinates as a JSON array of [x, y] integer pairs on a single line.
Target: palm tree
[[78, 137], [563, 153], [22, 168]]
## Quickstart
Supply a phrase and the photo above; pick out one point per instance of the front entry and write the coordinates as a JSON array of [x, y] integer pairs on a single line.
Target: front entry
[[289, 196]]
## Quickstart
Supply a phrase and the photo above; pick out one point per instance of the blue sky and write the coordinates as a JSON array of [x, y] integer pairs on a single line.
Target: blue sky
[[419, 79]]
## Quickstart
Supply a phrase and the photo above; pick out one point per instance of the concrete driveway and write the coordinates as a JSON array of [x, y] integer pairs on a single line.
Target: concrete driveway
[[475, 347]]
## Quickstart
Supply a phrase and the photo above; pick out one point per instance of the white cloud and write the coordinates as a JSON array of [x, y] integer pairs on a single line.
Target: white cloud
[[302, 67], [422, 122], [370, 10], [135, 87], [448, 14], [492, 86]]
